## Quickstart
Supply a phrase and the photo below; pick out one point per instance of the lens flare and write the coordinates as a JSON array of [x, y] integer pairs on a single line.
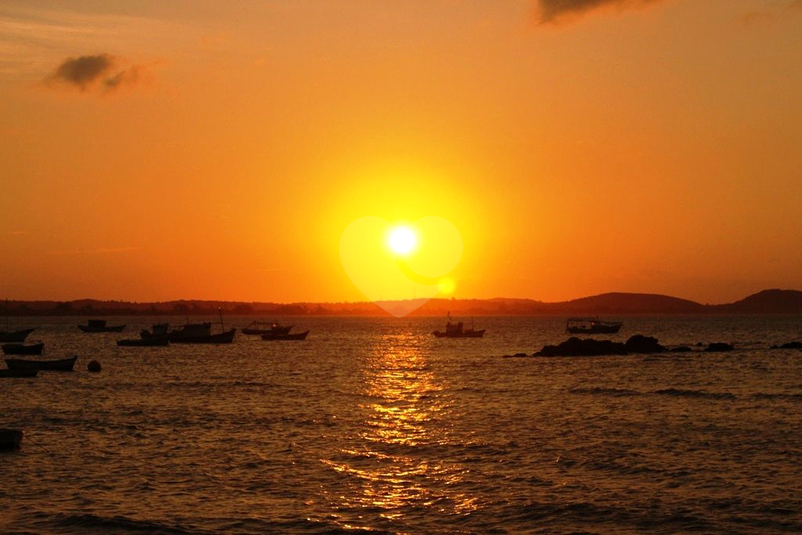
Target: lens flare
[[402, 240]]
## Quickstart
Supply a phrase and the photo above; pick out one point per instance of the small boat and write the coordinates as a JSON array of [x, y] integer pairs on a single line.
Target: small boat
[[145, 342], [21, 372], [22, 349], [60, 365], [200, 333], [15, 336], [296, 336], [158, 330], [10, 439], [99, 326], [457, 330], [264, 327], [592, 326]]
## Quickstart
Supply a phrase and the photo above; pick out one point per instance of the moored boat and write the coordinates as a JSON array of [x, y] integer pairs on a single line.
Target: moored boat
[[200, 333], [100, 326], [10, 439], [22, 349], [592, 326], [265, 327], [15, 336], [458, 330], [58, 365], [20, 372], [295, 336]]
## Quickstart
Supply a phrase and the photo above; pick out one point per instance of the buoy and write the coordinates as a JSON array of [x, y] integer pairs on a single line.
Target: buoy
[[94, 366]]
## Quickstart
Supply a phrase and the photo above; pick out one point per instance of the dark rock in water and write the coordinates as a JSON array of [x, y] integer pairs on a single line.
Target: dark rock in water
[[93, 366], [681, 349], [719, 346], [515, 356], [789, 345], [644, 344], [574, 347]]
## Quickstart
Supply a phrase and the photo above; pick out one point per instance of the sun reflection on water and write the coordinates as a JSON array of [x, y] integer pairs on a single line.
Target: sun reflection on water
[[399, 461]]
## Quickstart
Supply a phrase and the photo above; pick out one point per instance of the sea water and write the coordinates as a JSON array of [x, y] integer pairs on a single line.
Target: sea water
[[372, 424]]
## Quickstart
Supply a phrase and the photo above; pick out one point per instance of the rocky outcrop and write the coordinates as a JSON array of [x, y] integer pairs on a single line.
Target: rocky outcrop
[[576, 347], [644, 344], [789, 345]]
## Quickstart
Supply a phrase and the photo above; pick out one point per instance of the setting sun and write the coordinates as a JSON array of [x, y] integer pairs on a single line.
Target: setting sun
[[402, 240]]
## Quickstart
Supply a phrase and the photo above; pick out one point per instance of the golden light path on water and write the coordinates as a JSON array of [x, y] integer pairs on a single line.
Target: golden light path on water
[[407, 412]]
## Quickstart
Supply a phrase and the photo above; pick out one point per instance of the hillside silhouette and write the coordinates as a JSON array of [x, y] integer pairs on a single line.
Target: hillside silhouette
[[764, 302]]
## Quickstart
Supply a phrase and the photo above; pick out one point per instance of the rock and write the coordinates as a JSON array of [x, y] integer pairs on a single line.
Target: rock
[[644, 344], [681, 349], [574, 347], [93, 366], [718, 346], [790, 345]]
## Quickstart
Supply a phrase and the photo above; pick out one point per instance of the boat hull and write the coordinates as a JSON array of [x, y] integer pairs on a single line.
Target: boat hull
[[297, 336], [10, 439], [23, 372], [110, 329], [226, 337], [15, 336], [60, 365], [462, 334], [20, 349]]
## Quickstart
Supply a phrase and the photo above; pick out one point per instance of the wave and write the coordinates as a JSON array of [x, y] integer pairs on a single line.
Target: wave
[[605, 391], [86, 522], [678, 392]]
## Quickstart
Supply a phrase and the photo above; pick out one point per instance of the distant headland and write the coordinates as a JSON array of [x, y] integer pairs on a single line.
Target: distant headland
[[765, 302]]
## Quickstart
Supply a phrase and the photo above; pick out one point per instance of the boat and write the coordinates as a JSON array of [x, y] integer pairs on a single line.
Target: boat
[[59, 365], [295, 336], [457, 330], [22, 349], [145, 342], [200, 333], [265, 327], [592, 326], [15, 336], [20, 372], [99, 326], [10, 439]]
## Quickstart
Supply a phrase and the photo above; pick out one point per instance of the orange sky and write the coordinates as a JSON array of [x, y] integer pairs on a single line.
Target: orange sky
[[218, 150]]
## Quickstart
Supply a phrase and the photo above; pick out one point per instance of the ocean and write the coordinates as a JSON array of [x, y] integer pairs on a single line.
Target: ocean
[[373, 425]]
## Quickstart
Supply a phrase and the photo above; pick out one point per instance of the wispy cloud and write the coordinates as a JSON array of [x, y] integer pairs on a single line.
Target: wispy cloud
[[559, 11], [102, 71], [102, 250]]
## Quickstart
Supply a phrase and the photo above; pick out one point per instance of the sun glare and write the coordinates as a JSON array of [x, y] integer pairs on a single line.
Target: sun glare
[[402, 240]]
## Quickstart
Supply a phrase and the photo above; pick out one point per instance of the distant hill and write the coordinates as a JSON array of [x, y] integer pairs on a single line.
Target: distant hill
[[765, 302]]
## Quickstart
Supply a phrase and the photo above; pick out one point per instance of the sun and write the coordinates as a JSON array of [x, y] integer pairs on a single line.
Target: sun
[[402, 240]]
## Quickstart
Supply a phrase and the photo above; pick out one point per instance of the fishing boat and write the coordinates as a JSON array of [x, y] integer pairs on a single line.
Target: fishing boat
[[20, 372], [266, 327], [22, 349], [458, 330], [99, 326], [295, 336], [201, 333], [59, 365], [592, 326], [15, 336], [10, 439]]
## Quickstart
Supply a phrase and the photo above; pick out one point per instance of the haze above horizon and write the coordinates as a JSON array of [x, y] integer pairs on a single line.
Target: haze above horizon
[[155, 151]]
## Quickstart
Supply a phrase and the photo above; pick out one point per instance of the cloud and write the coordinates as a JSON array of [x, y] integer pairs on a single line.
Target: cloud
[[557, 11], [102, 71]]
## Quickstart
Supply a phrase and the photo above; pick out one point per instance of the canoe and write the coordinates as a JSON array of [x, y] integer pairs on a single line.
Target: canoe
[[60, 365], [297, 336], [10, 439], [220, 338], [15, 336], [22, 349], [23, 372], [144, 342]]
